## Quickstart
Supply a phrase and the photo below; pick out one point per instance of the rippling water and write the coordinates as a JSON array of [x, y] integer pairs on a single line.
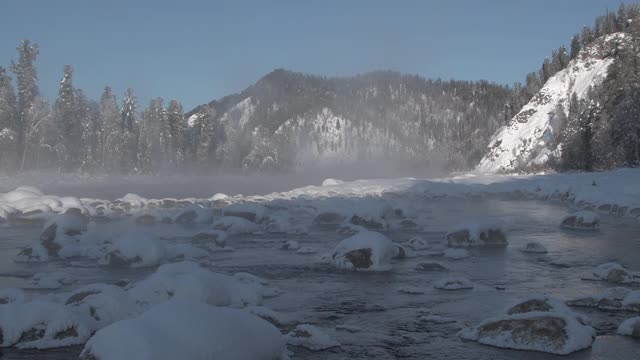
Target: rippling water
[[387, 320]]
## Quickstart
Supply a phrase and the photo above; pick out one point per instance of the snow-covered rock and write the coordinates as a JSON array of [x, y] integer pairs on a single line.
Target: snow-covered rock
[[614, 272], [136, 249], [215, 238], [417, 243], [274, 317], [615, 298], [306, 250], [310, 337], [411, 290], [102, 304], [581, 220], [194, 214], [431, 266], [250, 211], [630, 327], [332, 182], [50, 280], [41, 324], [12, 295], [453, 283], [477, 234], [188, 281], [534, 247], [537, 324], [290, 245], [236, 225], [60, 230], [186, 330], [369, 251]]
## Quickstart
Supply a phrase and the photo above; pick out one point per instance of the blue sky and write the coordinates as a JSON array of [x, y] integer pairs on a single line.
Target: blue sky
[[195, 51]]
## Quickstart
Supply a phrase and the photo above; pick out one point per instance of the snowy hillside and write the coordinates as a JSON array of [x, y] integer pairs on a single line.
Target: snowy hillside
[[531, 136], [291, 120]]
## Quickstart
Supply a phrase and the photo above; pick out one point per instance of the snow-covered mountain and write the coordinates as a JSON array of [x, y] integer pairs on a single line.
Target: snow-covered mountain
[[531, 137], [292, 120]]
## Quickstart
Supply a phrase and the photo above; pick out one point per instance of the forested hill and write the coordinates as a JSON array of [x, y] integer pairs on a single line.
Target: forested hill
[[289, 120], [586, 115]]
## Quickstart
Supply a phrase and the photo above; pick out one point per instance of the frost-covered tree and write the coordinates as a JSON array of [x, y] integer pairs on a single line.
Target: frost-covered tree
[[7, 101], [154, 135], [176, 130], [69, 122], [27, 78], [576, 46], [109, 145], [130, 134], [7, 120]]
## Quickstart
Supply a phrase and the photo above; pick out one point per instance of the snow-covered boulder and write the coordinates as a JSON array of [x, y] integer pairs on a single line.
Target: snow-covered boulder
[[538, 324], [534, 247], [188, 281], [40, 324], [50, 280], [12, 295], [290, 245], [219, 197], [102, 304], [431, 266], [332, 182], [250, 211], [274, 317], [306, 250], [60, 230], [281, 223], [369, 251], [631, 301], [186, 330], [477, 234], [453, 283], [310, 337], [615, 298], [328, 218], [350, 229], [236, 225], [417, 243], [135, 249], [194, 214], [581, 220], [211, 237], [630, 327], [613, 272]]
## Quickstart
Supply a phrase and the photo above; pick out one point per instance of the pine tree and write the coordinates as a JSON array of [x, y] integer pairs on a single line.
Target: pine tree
[[546, 71], [69, 123], [7, 102], [575, 46], [587, 36], [109, 150], [563, 57], [128, 112], [130, 134], [7, 120], [176, 129], [26, 77]]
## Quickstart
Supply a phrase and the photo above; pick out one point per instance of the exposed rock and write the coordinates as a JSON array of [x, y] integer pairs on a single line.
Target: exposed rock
[[477, 235], [431, 266], [581, 220]]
